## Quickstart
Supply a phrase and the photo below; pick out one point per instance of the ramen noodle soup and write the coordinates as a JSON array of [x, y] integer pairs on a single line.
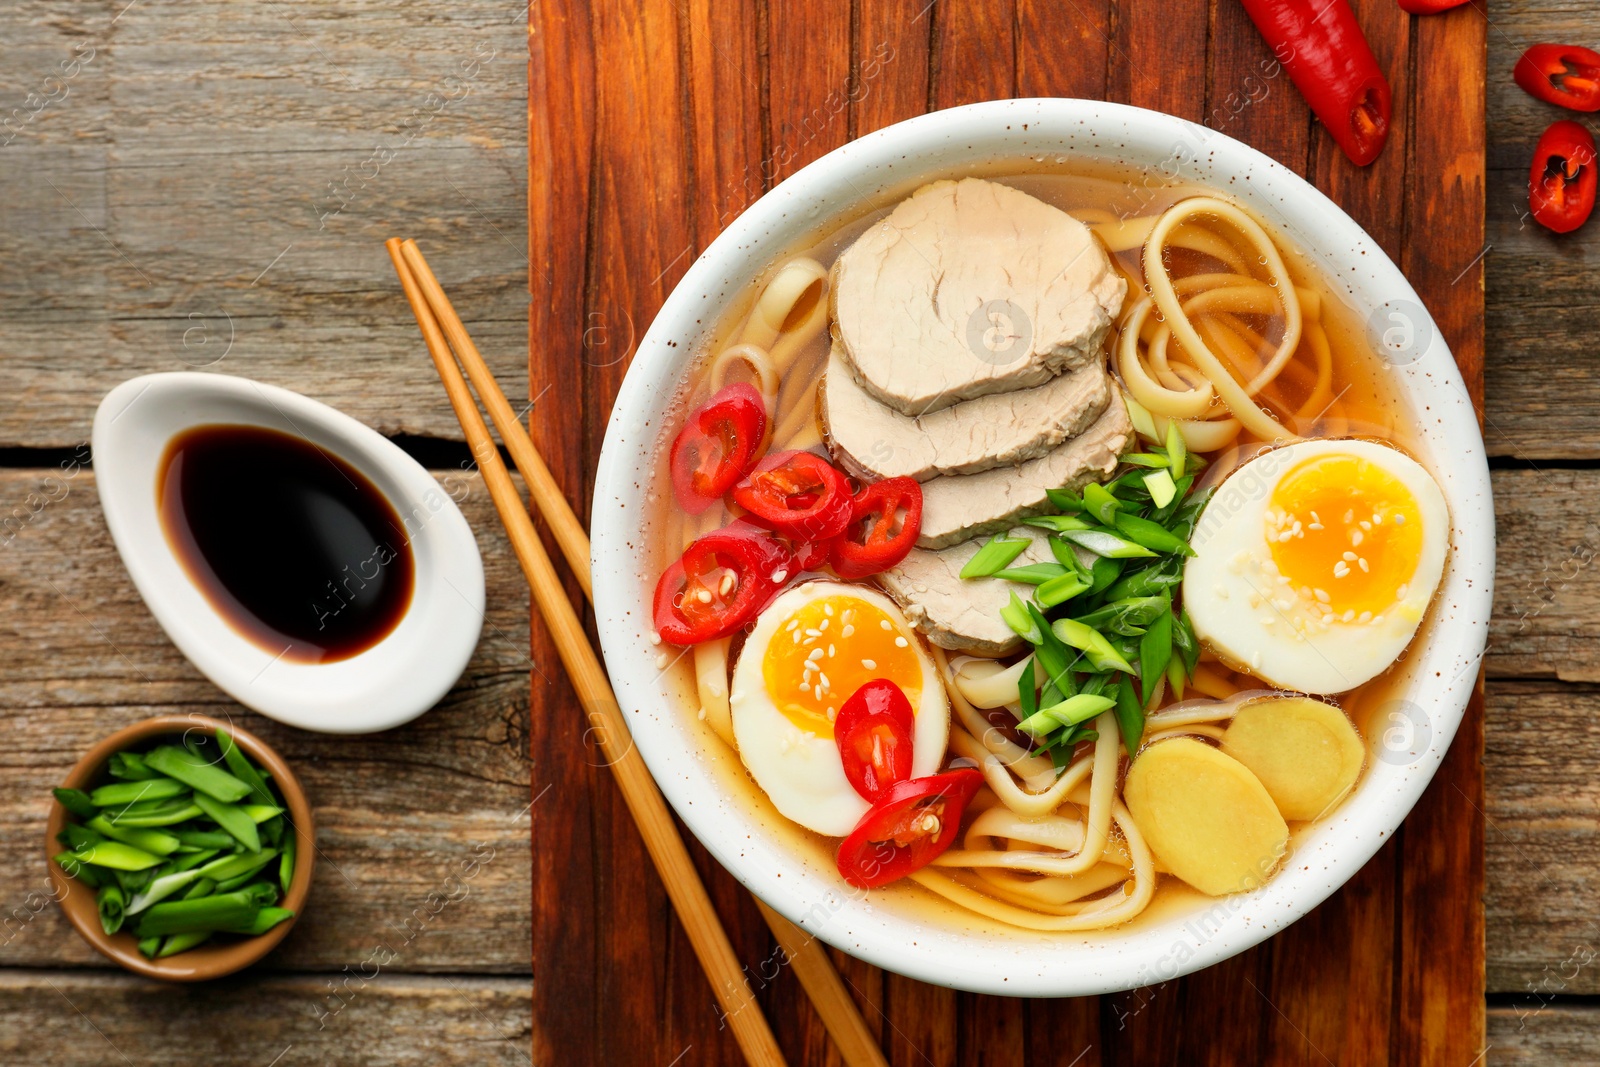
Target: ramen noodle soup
[[1042, 559]]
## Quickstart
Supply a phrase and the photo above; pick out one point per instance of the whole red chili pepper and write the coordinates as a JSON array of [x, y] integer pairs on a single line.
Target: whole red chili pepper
[[1561, 185], [1322, 47], [1429, 7], [1567, 75]]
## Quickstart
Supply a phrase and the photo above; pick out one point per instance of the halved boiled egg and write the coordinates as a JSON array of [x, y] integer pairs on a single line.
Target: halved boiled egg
[[813, 647], [1315, 563]]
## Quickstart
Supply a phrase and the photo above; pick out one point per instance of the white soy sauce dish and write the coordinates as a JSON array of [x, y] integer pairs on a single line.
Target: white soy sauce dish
[[289, 620]]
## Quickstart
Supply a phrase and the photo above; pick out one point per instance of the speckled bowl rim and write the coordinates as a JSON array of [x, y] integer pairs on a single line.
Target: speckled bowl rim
[[209, 961], [880, 167]]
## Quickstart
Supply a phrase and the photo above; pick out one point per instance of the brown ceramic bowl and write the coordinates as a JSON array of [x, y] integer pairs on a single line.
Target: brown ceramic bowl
[[207, 961]]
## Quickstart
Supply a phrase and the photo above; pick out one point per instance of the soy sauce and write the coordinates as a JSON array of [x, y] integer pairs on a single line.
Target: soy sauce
[[297, 549]]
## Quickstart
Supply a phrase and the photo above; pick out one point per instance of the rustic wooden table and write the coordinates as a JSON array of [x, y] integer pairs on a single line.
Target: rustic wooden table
[[192, 184]]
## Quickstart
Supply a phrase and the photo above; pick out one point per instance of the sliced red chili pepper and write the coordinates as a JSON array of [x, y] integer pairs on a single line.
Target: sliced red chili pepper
[[885, 519], [873, 731], [1561, 184], [1327, 56], [798, 494], [721, 582], [907, 828], [810, 555], [1429, 7], [1566, 75], [717, 446]]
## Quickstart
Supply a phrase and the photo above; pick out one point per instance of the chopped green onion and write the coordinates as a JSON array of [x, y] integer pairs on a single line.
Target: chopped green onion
[[1127, 618], [995, 556], [1184, 640], [204, 838], [1175, 677], [109, 901], [1100, 503], [1065, 499], [1058, 523], [286, 863], [1130, 715], [225, 885], [229, 867], [1059, 590], [231, 818], [203, 777], [1155, 650], [77, 802], [1027, 695], [166, 813], [221, 911], [75, 836], [114, 855], [1093, 644], [160, 889], [150, 946], [1016, 616], [1069, 712], [1176, 451], [1033, 573], [1151, 535], [1140, 416], [181, 943], [260, 813], [1162, 488], [155, 841], [265, 920], [128, 766], [1106, 543], [243, 769], [110, 796], [1146, 459], [1151, 580]]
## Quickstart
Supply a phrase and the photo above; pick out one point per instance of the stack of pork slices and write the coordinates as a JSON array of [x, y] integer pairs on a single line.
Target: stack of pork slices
[[969, 335]]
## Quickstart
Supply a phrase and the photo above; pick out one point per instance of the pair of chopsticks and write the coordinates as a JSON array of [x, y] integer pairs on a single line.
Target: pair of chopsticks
[[443, 331]]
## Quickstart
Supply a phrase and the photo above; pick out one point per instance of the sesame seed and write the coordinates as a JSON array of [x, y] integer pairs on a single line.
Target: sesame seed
[[662, 661], [779, 577], [1341, 569], [810, 632], [832, 714], [1356, 537], [702, 715], [1362, 563], [1399, 520], [822, 682], [1315, 517], [830, 651], [869, 664], [823, 625], [1349, 557], [1322, 595], [1365, 525], [885, 624], [847, 631], [1400, 594], [816, 653], [655, 637], [704, 596], [901, 642], [726, 586], [1316, 526], [827, 609], [797, 637], [1376, 619], [1349, 517], [793, 623], [1377, 520], [1365, 616], [1349, 615]]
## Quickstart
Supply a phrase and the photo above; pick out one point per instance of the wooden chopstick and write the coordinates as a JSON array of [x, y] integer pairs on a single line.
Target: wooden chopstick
[[639, 791], [571, 539], [810, 960]]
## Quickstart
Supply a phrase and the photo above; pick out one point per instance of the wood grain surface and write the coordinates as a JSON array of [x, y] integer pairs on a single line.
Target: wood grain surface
[[1406, 982], [200, 142]]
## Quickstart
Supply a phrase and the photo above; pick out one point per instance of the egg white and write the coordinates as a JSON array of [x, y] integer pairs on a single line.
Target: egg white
[[1243, 608], [801, 772]]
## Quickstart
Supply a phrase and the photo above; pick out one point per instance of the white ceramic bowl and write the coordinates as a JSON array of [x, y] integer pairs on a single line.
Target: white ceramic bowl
[[395, 680], [889, 928]]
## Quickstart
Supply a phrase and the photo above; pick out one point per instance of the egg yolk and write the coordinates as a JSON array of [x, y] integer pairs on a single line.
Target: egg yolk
[[828, 649], [1348, 532]]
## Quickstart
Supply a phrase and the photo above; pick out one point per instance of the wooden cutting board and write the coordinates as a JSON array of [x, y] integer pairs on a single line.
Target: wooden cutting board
[[652, 123]]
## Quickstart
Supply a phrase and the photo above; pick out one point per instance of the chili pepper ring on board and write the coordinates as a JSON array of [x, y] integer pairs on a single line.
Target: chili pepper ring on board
[[1327, 56], [1566, 75]]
